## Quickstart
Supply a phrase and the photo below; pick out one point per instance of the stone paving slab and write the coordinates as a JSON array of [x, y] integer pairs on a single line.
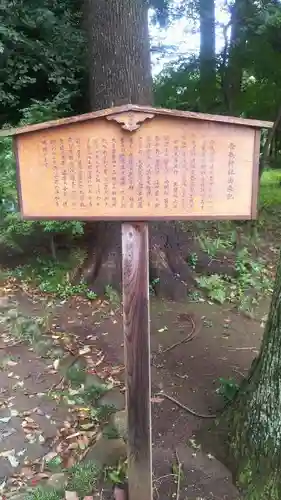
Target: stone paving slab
[[28, 420]]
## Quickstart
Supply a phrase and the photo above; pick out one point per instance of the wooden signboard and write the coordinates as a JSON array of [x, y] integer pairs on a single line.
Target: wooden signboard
[[134, 163], [139, 164]]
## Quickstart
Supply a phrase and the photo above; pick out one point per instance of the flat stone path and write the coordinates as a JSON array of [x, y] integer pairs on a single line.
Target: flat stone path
[[29, 421]]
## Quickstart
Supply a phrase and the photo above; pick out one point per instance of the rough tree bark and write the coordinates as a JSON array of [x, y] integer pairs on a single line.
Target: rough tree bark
[[207, 55], [254, 420], [265, 161], [237, 49], [120, 72]]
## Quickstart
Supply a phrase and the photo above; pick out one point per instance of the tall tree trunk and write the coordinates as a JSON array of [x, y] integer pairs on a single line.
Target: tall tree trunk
[[119, 63], [265, 160], [119, 69], [255, 423], [119, 52], [207, 55], [236, 55]]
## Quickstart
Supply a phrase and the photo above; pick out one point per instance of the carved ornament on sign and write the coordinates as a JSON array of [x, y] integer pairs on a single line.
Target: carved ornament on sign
[[131, 120]]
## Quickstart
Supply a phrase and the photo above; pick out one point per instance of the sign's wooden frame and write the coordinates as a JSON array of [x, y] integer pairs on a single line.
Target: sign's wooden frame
[[131, 118]]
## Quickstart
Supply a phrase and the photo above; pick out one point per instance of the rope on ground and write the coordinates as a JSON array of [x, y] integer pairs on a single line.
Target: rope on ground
[[194, 332], [186, 408]]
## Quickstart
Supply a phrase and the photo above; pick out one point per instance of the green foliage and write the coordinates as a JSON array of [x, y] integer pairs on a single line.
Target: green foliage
[[83, 478], [214, 245], [152, 285], [24, 328], [214, 286], [251, 283], [252, 57], [46, 493], [228, 389], [53, 277], [41, 54], [192, 260], [117, 475], [270, 190], [13, 230]]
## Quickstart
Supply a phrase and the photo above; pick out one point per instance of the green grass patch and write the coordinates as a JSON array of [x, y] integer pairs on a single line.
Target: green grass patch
[[52, 277], [46, 493], [251, 283], [270, 189], [82, 479]]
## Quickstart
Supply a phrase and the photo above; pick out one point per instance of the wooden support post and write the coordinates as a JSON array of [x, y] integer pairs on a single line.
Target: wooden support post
[[135, 266]]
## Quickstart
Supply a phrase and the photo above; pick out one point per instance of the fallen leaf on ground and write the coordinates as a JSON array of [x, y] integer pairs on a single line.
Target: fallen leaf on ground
[[56, 364], [5, 420], [10, 455], [11, 363], [85, 349], [161, 330], [157, 399]]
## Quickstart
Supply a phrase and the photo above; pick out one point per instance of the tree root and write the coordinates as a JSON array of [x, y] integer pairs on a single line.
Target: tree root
[[194, 332], [186, 408], [170, 249]]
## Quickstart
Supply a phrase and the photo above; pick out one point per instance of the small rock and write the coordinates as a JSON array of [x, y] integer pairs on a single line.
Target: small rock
[[93, 380], [113, 398], [119, 422], [107, 452], [57, 481], [69, 362], [4, 303]]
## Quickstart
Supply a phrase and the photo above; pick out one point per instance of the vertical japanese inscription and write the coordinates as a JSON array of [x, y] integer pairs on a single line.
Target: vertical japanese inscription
[[211, 163], [105, 171], [98, 171], [72, 174], [176, 152], [64, 174], [156, 182], [140, 186], [80, 173], [203, 168], [131, 173], [231, 171], [166, 171], [89, 174], [57, 193], [148, 164], [184, 172], [114, 173], [122, 172], [44, 146], [193, 152]]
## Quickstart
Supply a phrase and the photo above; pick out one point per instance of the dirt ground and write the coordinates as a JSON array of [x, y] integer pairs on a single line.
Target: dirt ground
[[224, 345]]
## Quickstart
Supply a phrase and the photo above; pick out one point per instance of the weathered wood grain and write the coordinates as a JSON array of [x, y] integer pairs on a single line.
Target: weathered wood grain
[[137, 358], [85, 166]]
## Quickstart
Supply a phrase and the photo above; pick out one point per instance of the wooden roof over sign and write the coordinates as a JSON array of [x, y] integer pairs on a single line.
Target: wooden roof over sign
[[149, 112]]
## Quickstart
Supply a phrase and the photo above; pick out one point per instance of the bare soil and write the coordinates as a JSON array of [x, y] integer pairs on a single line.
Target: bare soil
[[224, 345]]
